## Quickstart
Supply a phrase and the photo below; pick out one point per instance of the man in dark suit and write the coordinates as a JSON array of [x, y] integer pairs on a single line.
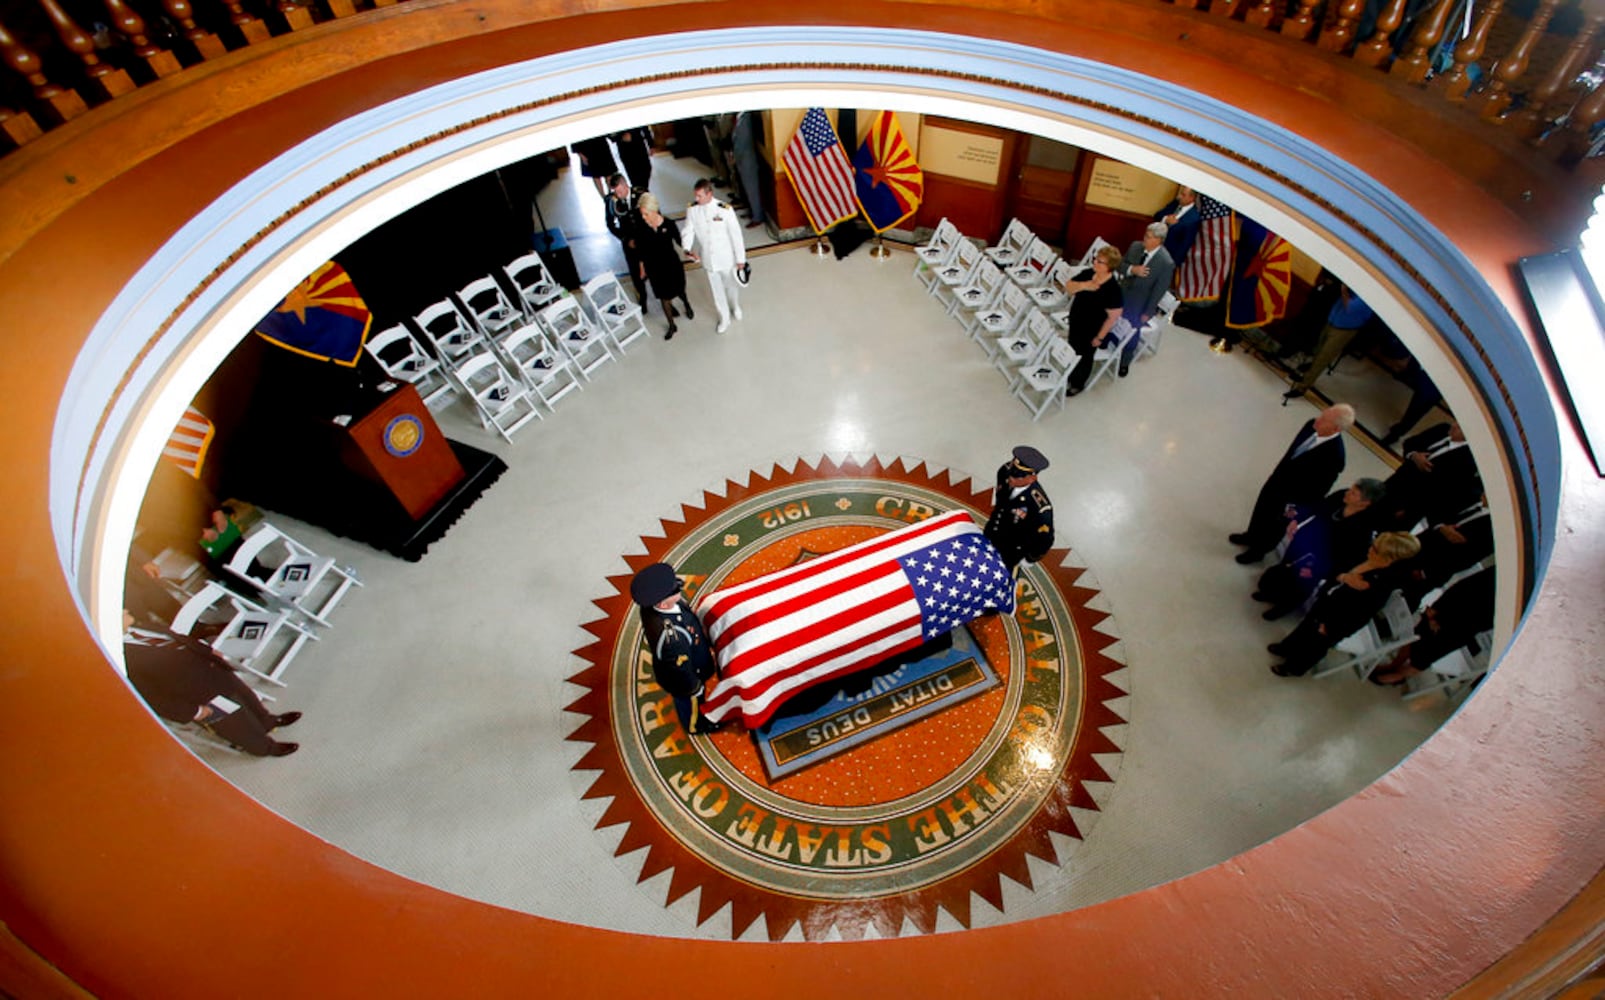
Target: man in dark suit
[[1181, 216], [1304, 474], [1437, 478], [1145, 276], [1021, 523], [184, 681]]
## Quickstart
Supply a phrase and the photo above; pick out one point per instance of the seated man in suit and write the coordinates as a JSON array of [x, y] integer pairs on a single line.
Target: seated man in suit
[[1437, 478], [183, 680]]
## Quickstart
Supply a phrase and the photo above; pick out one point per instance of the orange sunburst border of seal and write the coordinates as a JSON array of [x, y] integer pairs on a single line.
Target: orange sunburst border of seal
[[815, 917]]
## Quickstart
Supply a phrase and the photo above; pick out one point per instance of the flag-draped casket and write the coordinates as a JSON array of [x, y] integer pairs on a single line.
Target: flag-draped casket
[[820, 620]]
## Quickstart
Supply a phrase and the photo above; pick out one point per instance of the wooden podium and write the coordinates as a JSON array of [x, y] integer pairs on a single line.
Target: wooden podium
[[398, 446]]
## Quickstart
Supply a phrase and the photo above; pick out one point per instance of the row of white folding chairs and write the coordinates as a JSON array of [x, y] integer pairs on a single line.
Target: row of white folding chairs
[[949, 264], [504, 361], [291, 587]]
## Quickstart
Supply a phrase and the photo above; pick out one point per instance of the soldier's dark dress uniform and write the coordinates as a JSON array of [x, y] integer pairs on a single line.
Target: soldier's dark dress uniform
[[623, 220], [1021, 527], [682, 657]]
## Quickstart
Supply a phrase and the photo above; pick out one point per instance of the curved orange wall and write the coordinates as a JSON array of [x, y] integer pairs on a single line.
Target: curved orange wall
[[140, 873]]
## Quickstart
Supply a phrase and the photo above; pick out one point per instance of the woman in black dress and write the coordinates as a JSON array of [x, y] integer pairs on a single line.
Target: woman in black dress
[[657, 248], [1093, 311]]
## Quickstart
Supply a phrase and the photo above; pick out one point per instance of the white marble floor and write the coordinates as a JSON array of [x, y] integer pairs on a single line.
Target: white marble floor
[[434, 737]]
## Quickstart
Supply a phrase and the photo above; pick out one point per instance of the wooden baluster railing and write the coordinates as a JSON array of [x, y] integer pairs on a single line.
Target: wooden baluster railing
[[18, 126], [1225, 8], [1302, 24], [1338, 34], [1492, 101], [342, 8], [1572, 144], [1533, 120], [161, 62], [61, 103], [1378, 49], [108, 79], [251, 28], [1453, 84], [1265, 14], [1415, 64], [295, 15], [206, 44]]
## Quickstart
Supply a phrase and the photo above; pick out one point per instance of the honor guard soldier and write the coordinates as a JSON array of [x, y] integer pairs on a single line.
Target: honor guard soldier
[[1021, 525], [623, 217], [712, 225], [682, 658]]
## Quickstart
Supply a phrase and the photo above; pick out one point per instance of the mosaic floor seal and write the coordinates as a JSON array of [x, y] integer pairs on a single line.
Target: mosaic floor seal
[[909, 821]]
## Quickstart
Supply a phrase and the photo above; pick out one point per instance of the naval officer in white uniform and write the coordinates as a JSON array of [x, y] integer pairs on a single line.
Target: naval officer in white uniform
[[713, 226]]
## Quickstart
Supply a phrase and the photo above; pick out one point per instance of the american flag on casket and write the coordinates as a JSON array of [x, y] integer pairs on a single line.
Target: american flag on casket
[[820, 620]]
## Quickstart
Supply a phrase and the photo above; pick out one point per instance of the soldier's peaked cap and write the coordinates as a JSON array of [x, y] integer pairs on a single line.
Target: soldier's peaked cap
[[1028, 460], [653, 584]]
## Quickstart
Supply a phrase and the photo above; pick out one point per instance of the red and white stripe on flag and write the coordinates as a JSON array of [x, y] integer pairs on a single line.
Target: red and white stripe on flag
[[820, 172], [186, 446], [820, 620], [1208, 263]]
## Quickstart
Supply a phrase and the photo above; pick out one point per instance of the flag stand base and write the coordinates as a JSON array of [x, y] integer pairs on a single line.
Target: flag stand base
[[820, 247], [879, 251]]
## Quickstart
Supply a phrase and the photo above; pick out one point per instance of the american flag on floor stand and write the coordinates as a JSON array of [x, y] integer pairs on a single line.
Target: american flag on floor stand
[[823, 619], [186, 447], [820, 173], [1210, 260]]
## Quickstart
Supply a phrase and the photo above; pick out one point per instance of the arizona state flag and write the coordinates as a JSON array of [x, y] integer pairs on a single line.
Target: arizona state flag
[[888, 180], [322, 318], [1261, 277]]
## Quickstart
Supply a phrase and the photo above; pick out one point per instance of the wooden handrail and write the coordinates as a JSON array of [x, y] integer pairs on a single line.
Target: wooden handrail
[[1505, 83]]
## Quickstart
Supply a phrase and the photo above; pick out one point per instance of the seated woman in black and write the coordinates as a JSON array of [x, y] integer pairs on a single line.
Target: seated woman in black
[[1321, 539], [1093, 311], [1346, 604]]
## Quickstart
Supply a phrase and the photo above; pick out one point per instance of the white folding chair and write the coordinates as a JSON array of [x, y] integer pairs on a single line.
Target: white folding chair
[[548, 372], [1000, 321], [260, 641], [534, 283], [1036, 263], [1153, 331], [1098, 243], [1050, 296], [1369, 646], [959, 272], [1456, 672], [453, 337], [618, 314], [1025, 346], [290, 573], [576, 334], [936, 252], [977, 294], [1042, 383], [1010, 250], [488, 306], [403, 359], [503, 401], [1107, 354]]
